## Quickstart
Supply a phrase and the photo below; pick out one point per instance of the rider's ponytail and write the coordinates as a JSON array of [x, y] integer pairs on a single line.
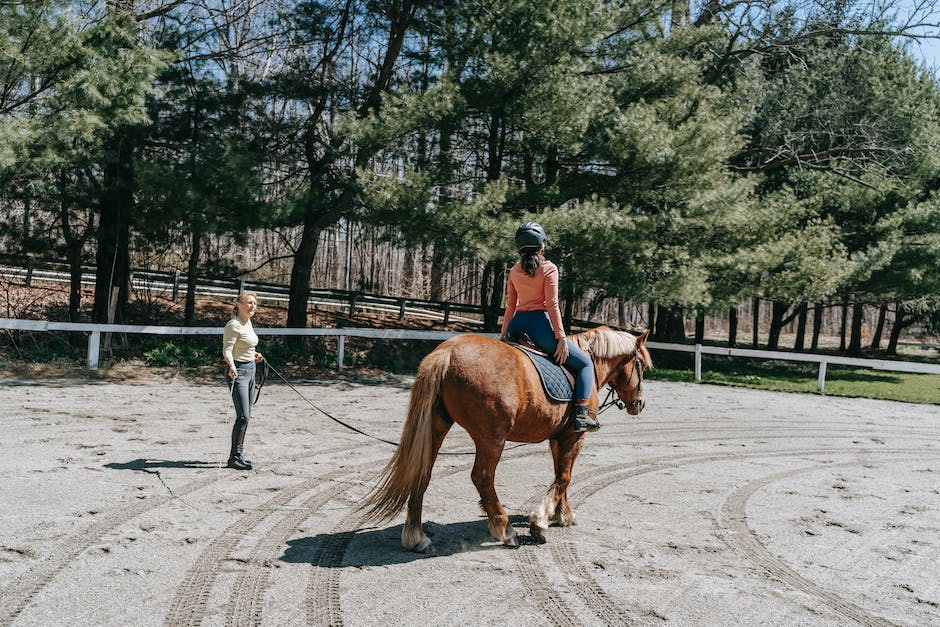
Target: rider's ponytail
[[532, 258]]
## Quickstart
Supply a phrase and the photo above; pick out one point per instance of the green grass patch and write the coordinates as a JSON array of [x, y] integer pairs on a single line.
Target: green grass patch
[[803, 377]]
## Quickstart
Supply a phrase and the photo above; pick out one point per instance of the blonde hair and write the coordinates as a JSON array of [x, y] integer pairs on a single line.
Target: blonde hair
[[241, 299]]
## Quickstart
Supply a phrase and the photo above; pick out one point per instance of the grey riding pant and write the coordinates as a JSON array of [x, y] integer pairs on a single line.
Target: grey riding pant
[[243, 389]]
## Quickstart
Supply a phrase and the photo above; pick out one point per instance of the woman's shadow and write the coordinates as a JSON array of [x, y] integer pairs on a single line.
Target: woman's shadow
[[382, 547], [153, 465]]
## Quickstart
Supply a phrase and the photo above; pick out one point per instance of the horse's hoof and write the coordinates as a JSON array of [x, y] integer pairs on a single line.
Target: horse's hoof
[[424, 546], [537, 533], [510, 539]]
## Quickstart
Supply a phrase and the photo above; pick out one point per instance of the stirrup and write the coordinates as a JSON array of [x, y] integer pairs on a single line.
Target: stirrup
[[581, 419]]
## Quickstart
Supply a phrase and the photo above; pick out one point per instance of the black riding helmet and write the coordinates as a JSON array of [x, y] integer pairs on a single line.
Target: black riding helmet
[[530, 235]]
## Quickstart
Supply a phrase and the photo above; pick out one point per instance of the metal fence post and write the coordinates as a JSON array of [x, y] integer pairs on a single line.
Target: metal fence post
[[340, 351], [94, 343], [176, 285], [822, 375], [698, 362]]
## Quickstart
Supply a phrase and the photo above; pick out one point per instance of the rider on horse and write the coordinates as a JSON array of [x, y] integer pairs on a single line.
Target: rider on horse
[[532, 308]]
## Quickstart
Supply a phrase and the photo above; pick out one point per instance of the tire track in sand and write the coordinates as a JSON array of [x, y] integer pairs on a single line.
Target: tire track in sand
[[609, 611], [190, 602], [324, 602], [247, 597], [15, 597], [18, 595], [744, 540]]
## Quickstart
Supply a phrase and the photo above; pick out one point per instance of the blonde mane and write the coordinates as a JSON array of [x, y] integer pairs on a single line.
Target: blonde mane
[[606, 343]]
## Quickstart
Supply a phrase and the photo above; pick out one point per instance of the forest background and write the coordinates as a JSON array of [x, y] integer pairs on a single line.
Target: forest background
[[686, 159]]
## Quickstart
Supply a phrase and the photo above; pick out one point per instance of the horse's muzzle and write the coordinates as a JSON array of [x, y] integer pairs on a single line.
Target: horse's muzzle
[[636, 406]]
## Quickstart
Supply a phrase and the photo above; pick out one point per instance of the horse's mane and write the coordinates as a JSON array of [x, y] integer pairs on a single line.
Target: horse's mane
[[607, 343]]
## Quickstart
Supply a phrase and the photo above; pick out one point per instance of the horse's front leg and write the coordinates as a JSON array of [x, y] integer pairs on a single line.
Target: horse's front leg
[[483, 476], [554, 505]]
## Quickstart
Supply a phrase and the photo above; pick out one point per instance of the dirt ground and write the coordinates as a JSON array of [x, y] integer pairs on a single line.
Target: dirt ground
[[716, 506]]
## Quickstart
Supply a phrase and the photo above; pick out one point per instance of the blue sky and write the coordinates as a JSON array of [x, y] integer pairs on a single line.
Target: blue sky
[[927, 50]]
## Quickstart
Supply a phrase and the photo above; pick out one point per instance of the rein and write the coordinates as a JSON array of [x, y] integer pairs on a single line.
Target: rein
[[327, 414], [360, 431], [261, 376]]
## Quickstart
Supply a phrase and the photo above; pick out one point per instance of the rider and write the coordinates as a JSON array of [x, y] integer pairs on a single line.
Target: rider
[[532, 308]]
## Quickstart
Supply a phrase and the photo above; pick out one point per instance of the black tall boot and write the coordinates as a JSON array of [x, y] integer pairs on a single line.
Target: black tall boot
[[582, 420], [235, 459]]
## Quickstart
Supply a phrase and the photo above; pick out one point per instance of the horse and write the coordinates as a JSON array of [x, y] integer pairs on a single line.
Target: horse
[[493, 391]]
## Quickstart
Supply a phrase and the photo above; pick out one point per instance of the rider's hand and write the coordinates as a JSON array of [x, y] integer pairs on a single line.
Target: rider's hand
[[561, 351]]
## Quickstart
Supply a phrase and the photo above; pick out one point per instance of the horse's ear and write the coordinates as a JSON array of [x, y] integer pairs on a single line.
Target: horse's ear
[[642, 339]]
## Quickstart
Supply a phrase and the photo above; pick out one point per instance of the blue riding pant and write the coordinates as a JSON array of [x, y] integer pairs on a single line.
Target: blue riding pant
[[539, 328]]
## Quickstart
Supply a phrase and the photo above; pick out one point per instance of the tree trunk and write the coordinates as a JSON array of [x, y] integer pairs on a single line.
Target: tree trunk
[[439, 265], [75, 280], [568, 310], [670, 326], [880, 327], [896, 329], [651, 318], [733, 327], [699, 327], [755, 318], [844, 323], [855, 338], [408, 273], [113, 255], [817, 326], [192, 274], [301, 271], [778, 309], [800, 341], [491, 294]]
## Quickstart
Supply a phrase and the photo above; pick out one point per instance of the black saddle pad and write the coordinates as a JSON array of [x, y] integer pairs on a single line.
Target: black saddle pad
[[554, 378]]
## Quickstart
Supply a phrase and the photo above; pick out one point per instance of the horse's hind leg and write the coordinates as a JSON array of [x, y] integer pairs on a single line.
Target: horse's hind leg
[[483, 475], [412, 533], [555, 504]]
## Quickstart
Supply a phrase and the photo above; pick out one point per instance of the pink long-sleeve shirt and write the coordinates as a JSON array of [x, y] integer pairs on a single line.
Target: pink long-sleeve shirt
[[534, 293]]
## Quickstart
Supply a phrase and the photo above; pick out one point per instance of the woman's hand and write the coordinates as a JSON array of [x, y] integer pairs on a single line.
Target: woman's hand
[[561, 351], [232, 371], [258, 357]]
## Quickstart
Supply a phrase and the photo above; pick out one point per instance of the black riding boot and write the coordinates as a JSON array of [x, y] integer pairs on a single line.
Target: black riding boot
[[582, 419], [238, 439]]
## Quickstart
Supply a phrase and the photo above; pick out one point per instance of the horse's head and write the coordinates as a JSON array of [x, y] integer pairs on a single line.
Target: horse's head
[[628, 380]]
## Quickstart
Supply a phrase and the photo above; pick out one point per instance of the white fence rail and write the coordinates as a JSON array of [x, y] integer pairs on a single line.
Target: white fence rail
[[96, 330]]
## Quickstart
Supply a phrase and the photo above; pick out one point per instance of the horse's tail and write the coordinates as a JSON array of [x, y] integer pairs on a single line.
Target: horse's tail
[[409, 470]]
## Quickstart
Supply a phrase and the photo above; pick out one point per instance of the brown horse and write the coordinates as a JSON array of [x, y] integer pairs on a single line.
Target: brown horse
[[493, 391]]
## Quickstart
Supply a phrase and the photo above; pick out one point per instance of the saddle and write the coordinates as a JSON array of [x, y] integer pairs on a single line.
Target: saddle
[[557, 381]]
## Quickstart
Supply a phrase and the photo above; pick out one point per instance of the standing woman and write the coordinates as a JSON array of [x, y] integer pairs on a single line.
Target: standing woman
[[238, 349], [532, 307]]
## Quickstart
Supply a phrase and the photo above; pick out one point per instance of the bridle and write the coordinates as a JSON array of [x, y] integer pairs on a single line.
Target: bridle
[[612, 399]]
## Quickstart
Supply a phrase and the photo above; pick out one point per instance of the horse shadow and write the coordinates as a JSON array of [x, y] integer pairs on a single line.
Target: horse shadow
[[382, 547], [153, 465]]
